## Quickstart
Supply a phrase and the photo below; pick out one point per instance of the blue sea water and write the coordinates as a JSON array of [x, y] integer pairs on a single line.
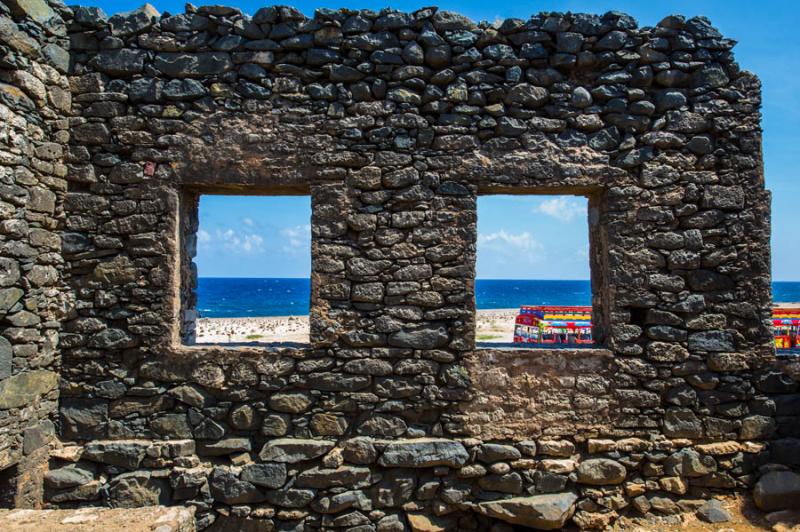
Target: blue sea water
[[508, 293], [786, 292], [229, 297], [240, 297]]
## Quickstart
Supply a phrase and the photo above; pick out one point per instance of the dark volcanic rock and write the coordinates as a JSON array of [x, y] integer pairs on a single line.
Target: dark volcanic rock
[[291, 450], [226, 487], [423, 453], [777, 490], [543, 512], [265, 475], [601, 471], [121, 63], [195, 65]]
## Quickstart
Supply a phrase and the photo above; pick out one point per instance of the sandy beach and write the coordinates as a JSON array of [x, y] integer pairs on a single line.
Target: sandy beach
[[272, 329], [493, 326], [496, 325]]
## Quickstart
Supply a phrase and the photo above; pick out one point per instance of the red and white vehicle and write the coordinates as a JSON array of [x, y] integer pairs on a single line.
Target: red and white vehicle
[[786, 324], [548, 325], [567, 325]]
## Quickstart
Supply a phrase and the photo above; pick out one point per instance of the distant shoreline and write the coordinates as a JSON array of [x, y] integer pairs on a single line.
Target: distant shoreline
[[477, 279], [495, 325], [492, 325], [283, 297]]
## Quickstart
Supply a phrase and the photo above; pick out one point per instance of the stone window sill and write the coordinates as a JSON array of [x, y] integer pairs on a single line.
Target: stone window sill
[[511, 348], [250, 348]]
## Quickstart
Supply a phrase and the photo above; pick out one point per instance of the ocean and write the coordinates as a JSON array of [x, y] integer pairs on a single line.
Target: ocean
[[244, 298]]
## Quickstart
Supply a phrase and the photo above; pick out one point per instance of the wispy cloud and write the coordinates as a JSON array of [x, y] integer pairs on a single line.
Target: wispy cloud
[[234, 241], [297, 238], [517, 246], [522, 240], [241, 242], [562, 208], [247, 240]]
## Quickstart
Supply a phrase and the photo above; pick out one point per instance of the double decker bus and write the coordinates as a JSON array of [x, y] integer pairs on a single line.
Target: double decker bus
[[553, 325], [567, 325], [786, 324]]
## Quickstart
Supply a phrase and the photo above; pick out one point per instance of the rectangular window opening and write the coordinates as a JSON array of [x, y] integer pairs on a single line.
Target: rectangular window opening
[[535, 286], [245, 270], [8, 486]]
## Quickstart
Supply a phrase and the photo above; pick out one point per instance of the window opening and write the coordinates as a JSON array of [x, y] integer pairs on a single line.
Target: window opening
[[249, 271], [533, 283]]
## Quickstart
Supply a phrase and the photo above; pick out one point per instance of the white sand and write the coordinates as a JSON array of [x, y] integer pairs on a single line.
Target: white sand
[[273, 329], [493, 326], [496, 325]]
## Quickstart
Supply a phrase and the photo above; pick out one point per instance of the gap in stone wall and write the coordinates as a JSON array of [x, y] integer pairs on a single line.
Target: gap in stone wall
[[251, 270], [533, 251], [8, 486]]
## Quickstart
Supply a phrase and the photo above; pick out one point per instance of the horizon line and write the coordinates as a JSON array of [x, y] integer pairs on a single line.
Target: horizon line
[[477, 278]]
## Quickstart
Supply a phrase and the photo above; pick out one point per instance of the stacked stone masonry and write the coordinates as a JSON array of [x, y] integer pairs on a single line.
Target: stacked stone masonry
[[34, 134], [394, 123]]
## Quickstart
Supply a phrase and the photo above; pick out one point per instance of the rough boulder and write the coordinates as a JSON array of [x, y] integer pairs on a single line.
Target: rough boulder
[[545, 512]]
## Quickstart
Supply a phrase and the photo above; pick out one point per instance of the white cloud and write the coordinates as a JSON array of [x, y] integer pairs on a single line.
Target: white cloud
[[562, 208], [522, 240], [244, 242], [297, 238], [519, 246], [252, 243]]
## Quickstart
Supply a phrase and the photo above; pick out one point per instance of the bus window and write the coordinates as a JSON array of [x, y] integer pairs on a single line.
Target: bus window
[[782, 337], [548, 336]]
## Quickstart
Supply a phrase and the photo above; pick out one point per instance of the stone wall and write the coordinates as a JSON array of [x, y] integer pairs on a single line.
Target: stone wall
[[394, 123], [34, 106]]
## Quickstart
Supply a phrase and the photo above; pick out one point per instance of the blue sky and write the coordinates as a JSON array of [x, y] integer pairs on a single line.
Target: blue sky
[[254, 236], [533, 237], [767, 46]]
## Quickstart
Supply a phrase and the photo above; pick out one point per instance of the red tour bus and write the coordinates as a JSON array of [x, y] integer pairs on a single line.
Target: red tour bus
[[786, 323], [563, 325], [548, 325]]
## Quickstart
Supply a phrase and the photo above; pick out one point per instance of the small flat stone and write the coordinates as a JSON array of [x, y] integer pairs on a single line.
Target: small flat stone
[[544, 512], [124, 453], [68, 477], [713, 512], [223, 447], [424, 453], [25, 388], [294, 450], [601, 471], [266, 475]]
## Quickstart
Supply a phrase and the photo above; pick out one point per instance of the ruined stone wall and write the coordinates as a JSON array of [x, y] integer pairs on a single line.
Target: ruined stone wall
[[394, 123], [34, 105]]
